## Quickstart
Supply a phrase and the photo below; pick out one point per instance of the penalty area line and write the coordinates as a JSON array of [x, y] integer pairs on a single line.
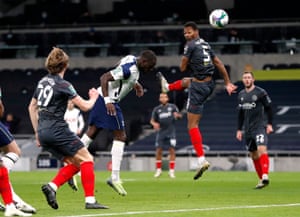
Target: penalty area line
[[185, 210]]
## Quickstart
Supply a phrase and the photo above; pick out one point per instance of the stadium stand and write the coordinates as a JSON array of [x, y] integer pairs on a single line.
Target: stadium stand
[[218, 124]]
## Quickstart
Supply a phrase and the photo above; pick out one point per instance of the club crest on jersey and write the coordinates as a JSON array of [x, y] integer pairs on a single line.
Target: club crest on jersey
[[254, 97]]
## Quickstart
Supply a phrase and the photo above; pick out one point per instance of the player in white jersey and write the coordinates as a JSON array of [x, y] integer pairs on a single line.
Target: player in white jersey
[[107, 114], [74, 118]]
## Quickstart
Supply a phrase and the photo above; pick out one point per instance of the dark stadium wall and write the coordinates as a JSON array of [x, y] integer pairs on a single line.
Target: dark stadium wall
[[237, 62]]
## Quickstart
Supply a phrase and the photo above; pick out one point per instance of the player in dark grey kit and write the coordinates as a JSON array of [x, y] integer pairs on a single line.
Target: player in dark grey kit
[[47, 108], [253, 104], [162, 119], [200, 60]]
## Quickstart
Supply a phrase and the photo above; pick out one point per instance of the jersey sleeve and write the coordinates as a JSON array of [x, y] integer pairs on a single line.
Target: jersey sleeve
[[175, 108], [154, 114], [124, 69], [266, 100], [67, 88], [188, 49]]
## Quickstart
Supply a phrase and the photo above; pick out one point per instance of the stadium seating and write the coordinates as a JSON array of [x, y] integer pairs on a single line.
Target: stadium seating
[[218, 124]]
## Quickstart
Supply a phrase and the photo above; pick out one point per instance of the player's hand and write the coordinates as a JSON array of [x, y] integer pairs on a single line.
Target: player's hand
[[93, 93], [231, 88], [269, 129], [239, 135], [156, 126], [38, 144], [111, 110], [139, 90]]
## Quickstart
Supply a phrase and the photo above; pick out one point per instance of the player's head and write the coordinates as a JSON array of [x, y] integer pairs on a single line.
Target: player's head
[[57, 61], [190, 30], [248, 79], [146, 61], [163, 98]]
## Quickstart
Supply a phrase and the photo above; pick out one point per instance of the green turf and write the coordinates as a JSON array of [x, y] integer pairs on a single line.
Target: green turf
[[216, 194]]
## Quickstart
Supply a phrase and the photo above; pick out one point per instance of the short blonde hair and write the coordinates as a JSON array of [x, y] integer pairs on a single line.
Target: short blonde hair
[[56, 61]]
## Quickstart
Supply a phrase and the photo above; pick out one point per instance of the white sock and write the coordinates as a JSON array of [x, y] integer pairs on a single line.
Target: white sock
[[201, 160], [90, 199], [9, 160], [116, 157], [11, 205], [16, 197], [53, 186], [86, 140]]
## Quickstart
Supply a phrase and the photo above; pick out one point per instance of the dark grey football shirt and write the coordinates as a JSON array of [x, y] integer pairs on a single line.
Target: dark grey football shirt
[[200, 56], [252, 105], [52, 94], [163, 114]]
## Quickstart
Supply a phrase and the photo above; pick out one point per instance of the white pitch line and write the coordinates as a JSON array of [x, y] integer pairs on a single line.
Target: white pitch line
[[185, 210]]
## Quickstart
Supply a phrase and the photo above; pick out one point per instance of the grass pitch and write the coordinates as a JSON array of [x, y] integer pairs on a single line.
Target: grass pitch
[[216, 194]]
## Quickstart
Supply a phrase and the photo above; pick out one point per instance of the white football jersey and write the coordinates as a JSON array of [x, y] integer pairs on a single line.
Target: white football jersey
[[74, 119], [125, 75]]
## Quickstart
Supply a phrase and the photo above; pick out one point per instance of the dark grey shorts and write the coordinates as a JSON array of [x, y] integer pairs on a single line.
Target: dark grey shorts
[[60, 141], [255, 139], [198, 94]]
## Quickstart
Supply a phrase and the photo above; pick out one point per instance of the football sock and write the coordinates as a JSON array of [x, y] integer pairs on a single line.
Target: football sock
[[176, 85], [172, 165], [9, 160], [53, 186], [88, 178], [158, 164], [264, 162], [5, 187], [196, 139], [116, 158], [64, 174], [86, 140], [90, 199], [258, 167], [201, 160]]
